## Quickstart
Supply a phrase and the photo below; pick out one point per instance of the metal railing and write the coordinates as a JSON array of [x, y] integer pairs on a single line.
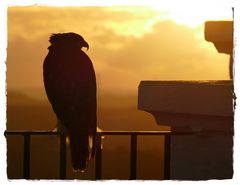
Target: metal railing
[[133, 151], [26, 150], [98, 158]]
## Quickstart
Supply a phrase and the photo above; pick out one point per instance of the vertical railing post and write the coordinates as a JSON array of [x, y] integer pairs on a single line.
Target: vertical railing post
[[167, 156], [98, 160], [26, 156], [63, 156], [133, 154]]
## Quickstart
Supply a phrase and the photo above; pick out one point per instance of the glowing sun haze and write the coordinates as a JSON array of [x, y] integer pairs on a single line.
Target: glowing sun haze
[[127, 43]]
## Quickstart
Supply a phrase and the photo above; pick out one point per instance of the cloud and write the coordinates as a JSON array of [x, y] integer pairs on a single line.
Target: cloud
[[167, 51], [24, 62], [33, 22]]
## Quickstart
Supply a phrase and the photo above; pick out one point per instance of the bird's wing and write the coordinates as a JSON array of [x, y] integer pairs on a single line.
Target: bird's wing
[[70, 83]]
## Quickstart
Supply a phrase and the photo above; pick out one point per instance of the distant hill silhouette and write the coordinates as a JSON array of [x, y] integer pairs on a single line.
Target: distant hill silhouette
[[18, 98], [114, 112], [26, 113]]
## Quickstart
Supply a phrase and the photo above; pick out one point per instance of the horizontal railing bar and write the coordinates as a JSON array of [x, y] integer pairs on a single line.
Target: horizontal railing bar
[[113, 132], [31, 132], [145, 133], [49, 132], [134, 132]]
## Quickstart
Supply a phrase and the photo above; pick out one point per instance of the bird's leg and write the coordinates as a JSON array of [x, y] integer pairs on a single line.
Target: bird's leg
[[61, 129], [102, 137]]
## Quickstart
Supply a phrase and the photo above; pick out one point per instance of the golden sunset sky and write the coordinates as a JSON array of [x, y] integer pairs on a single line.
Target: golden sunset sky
[[159, 41], [127, 43]]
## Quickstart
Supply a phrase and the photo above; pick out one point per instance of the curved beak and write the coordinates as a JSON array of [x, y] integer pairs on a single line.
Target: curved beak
[[85, 44]]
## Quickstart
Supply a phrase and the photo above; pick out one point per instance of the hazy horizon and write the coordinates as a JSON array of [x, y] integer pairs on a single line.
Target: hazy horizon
[[127, 45]]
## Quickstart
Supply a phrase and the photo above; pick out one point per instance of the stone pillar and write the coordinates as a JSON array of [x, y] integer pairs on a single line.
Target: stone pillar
[[204, 109], [220, 33], [206, 154]]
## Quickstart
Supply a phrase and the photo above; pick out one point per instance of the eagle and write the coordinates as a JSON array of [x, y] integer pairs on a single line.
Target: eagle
[[70, 85]]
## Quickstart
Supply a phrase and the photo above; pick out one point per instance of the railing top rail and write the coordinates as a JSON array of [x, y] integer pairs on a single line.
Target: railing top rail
[[112, 132], [31, 132]]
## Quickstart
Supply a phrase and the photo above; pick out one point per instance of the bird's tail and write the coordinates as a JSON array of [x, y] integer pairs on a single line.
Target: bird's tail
[[79, 146]]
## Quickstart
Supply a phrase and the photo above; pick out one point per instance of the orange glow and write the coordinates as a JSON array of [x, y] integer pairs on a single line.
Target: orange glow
[[127, 43], [194, 13]]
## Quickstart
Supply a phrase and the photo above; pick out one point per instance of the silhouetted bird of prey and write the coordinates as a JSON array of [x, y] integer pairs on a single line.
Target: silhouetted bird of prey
[[70, 84]]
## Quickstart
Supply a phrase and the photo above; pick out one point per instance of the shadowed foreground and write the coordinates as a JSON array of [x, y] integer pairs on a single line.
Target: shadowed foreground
[[31, 114]]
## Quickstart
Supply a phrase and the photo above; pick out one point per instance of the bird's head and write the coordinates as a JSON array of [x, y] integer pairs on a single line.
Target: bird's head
[[66, 40]]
